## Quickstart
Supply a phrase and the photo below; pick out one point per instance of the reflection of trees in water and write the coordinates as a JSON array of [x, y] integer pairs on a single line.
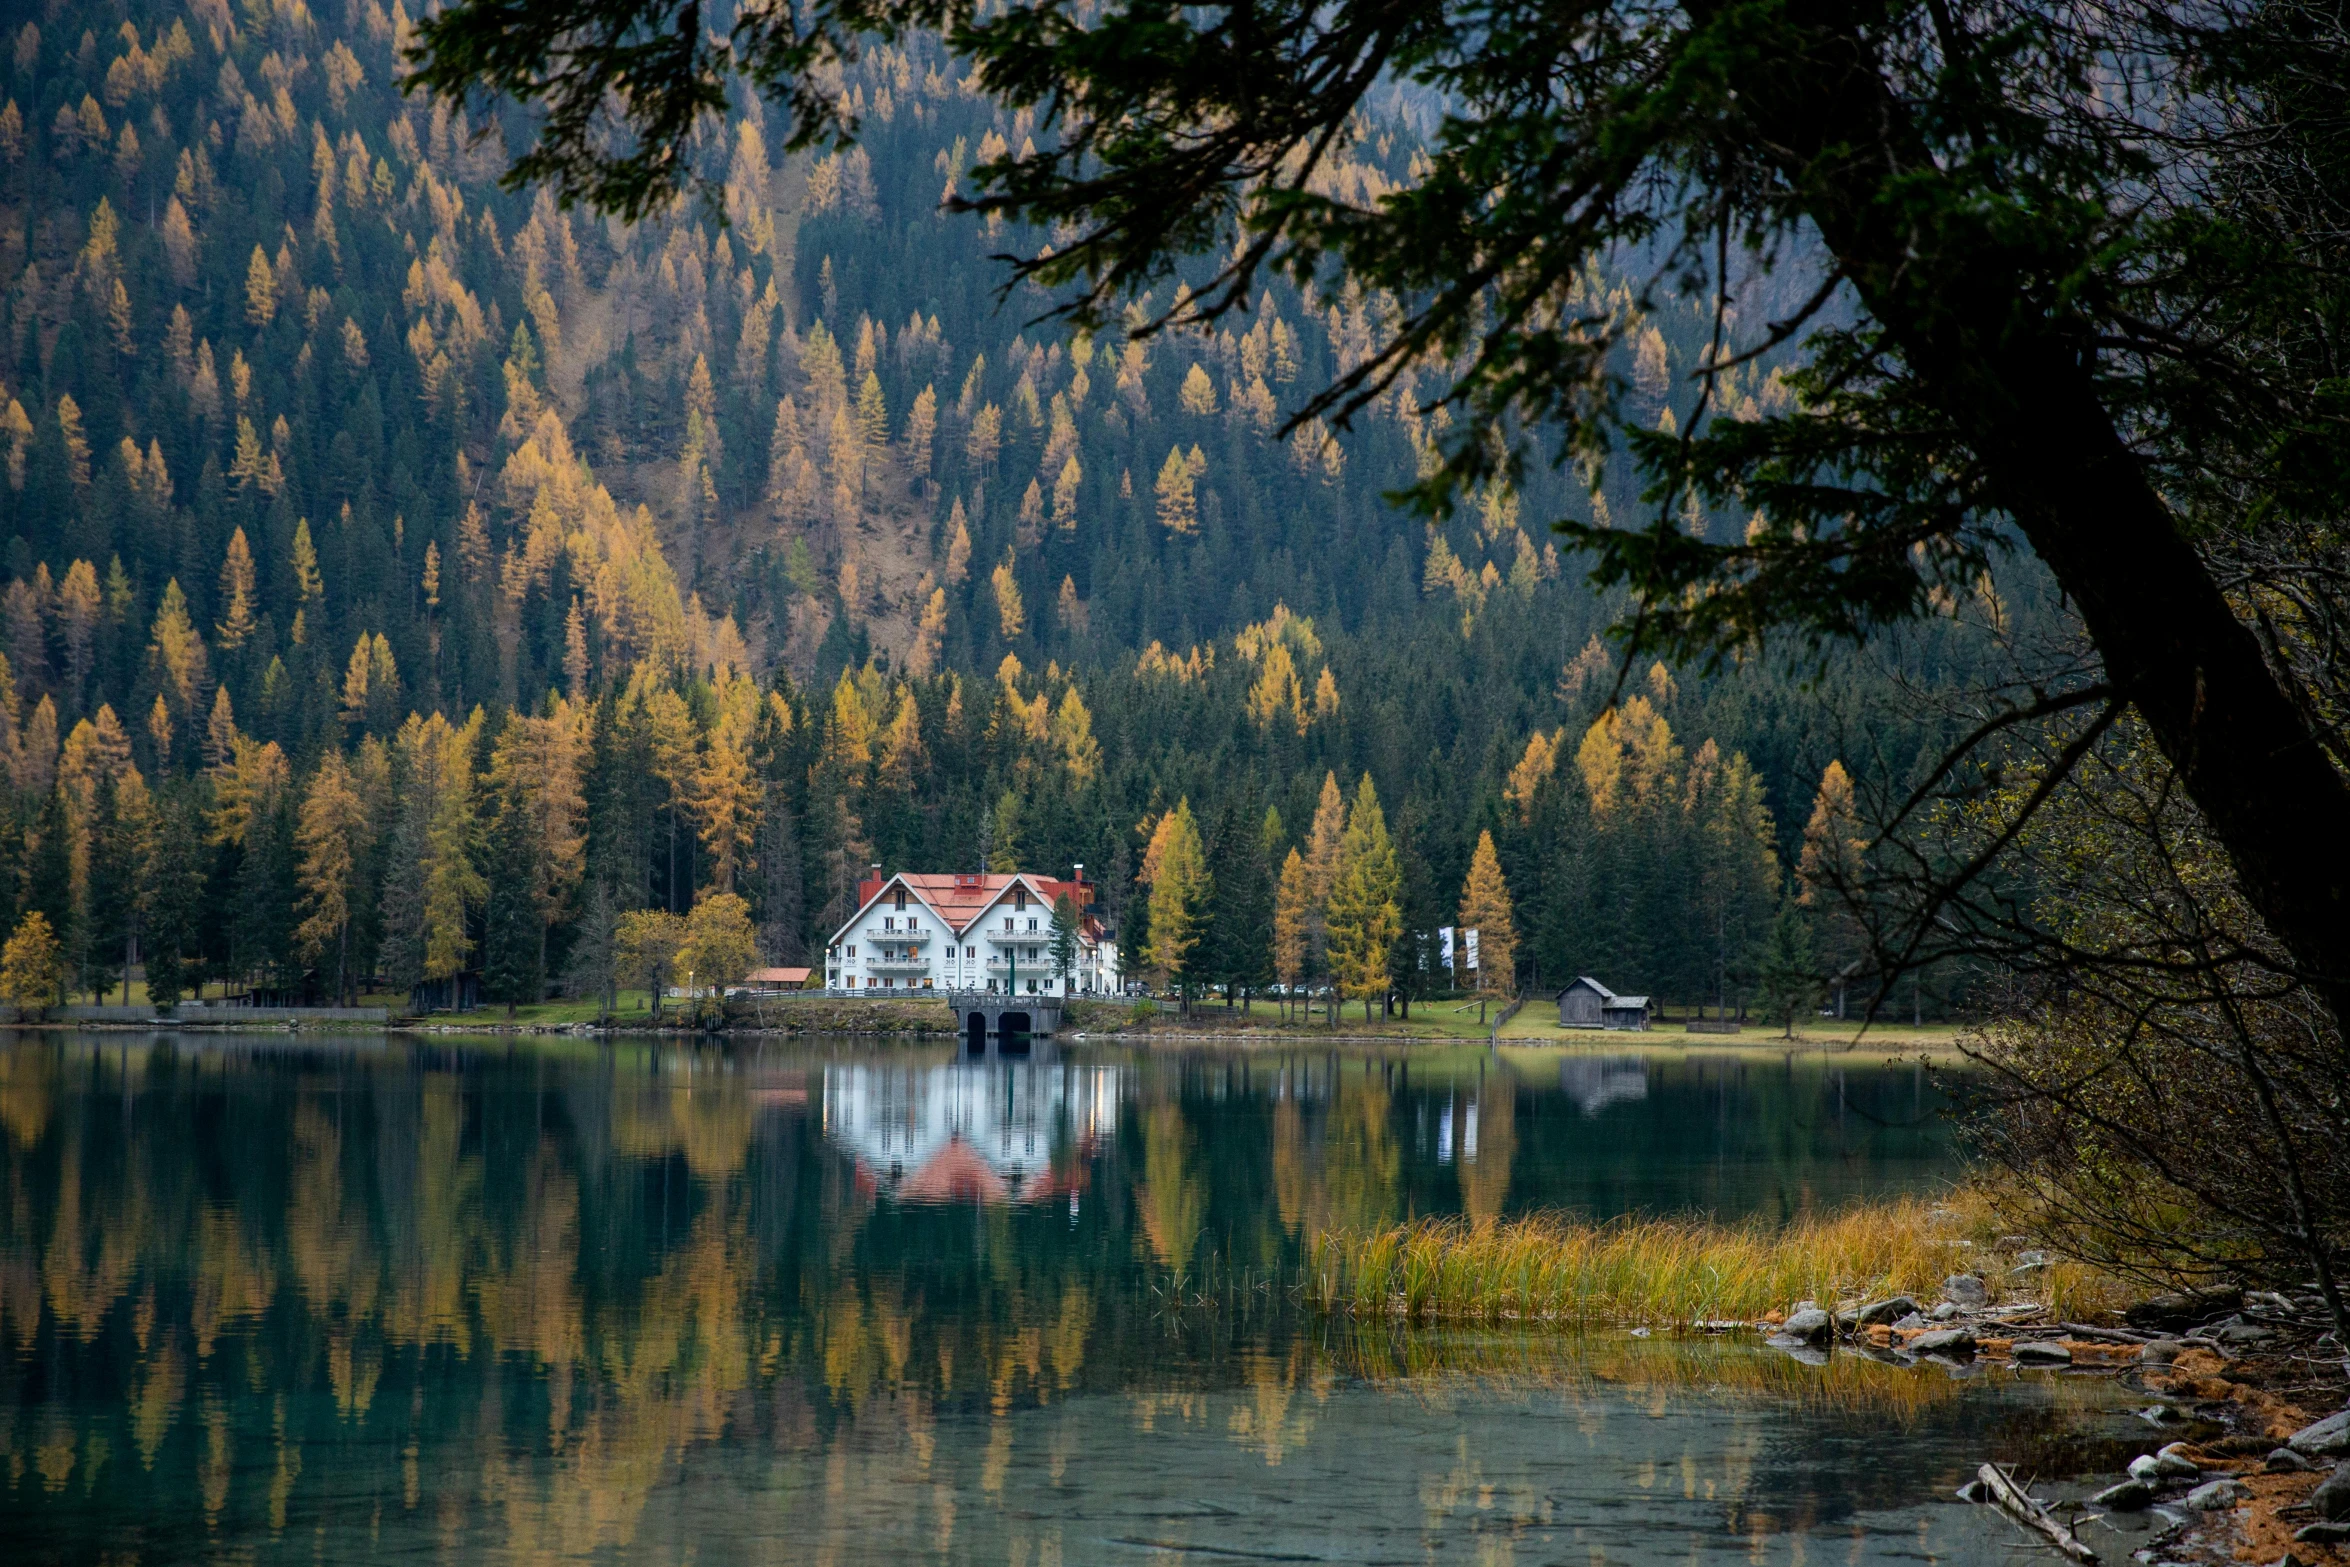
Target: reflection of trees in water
[[512, 1293]]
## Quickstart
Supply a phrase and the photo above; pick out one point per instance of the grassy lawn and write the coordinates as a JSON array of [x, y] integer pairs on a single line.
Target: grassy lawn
[[1536, 1026]]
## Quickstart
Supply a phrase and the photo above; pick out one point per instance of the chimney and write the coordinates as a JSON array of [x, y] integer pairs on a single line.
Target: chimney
[[1079, 877]]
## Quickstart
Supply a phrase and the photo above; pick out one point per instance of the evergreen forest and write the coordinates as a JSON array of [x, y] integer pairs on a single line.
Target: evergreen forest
[[407, 577]]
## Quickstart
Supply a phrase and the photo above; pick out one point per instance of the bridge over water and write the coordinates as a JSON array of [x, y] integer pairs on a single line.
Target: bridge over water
[[992, 1022]]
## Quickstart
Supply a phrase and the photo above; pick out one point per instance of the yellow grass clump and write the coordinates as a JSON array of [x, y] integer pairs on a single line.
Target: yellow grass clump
[[1673, 1272]]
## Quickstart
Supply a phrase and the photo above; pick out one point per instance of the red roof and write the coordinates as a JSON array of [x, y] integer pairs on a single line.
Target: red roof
[[959, 897], [954, 1174]]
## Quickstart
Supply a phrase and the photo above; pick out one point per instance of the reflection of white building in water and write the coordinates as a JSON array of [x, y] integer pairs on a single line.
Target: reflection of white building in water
[[1596, 1082], [970, 1132]]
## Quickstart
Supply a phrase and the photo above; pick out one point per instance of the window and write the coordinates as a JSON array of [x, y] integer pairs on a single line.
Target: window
[[1020, 898], [852, 950], [900, 903], [1032, 924], [887, 923]]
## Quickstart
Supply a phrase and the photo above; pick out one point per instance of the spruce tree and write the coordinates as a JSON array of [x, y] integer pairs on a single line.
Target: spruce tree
[[1787, 972], [116, 873], [512, 953], [174, 903]]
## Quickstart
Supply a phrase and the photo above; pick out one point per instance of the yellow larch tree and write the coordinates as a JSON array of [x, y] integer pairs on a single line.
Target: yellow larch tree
[[1365, 913], [1178, 505], [1011, 610], [1081, 753], [1293, 909], [1533, 770], [1485, 908], [260, 289], [726, 793], [1180, 888], [539, 763], [1322, 842], [236, 622], [1276, 696], [330, 838], [178, 650]]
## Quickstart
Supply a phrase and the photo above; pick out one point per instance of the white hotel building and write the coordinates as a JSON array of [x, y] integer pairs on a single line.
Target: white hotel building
[[968, 932]]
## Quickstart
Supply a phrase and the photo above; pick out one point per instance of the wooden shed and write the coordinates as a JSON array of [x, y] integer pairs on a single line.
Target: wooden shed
[[1589, 1004]]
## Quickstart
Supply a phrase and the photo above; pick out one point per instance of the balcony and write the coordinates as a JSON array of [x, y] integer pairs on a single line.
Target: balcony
[[877, 934], [897, 965], [1001, 937]]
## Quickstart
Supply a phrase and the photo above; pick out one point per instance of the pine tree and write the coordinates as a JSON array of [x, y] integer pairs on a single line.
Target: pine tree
[[512, 951], [1064, 939], [1786, 970], [262, 932], [594, 965], [117, 872], [1240, 914], [171, 939]]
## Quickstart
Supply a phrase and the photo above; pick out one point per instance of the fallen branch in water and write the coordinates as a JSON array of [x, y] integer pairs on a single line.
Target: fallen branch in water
[[2012, 1500]]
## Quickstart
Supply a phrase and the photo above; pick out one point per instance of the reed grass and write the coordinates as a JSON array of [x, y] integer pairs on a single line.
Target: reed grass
[[1674, 1273]]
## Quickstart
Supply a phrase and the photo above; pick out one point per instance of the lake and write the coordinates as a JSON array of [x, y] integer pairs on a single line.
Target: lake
[[835, 1301]]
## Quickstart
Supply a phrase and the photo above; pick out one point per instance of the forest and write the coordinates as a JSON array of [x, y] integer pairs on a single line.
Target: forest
[[408, 577]]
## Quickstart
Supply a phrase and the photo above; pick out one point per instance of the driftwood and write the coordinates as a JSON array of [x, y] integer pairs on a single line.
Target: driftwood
[[2011, 1499], [2106, 1335]]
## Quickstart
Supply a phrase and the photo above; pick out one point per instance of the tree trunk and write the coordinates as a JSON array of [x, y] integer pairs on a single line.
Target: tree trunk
[[2020, 389]]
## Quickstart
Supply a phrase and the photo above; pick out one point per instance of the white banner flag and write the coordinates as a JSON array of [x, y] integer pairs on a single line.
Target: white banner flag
[[1444, 945], [1469, 941]]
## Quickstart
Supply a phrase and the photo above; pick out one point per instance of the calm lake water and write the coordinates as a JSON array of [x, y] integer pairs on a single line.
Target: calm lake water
[[834, 1302]]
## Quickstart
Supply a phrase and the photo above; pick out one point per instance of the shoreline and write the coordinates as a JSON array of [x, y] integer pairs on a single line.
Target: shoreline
[[1657, 1041]]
